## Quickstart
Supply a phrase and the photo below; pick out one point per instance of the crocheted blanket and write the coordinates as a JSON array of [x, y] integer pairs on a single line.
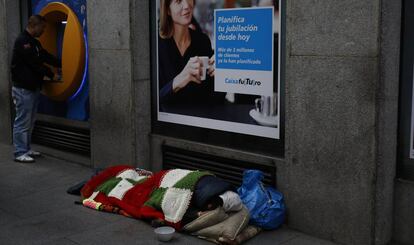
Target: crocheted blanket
[[124, 190]]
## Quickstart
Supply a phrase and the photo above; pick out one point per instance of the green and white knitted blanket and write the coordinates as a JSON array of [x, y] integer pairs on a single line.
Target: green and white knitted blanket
[[165, 195], [173, 196]]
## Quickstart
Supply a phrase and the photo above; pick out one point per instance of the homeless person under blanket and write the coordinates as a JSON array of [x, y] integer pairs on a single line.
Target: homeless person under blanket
[[168, 196], [165, 195]]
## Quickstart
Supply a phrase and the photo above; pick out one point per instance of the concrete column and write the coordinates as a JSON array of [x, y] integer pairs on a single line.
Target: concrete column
[[331, 116], [140, 32], [387, 114], [9, 30], [5, 136], [110, 72]]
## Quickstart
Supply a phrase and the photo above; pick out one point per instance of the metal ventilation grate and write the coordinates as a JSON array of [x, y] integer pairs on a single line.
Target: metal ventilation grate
[[61, 137], [228, 169]]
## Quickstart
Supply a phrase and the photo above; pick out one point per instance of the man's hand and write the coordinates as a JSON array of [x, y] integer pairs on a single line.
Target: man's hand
[[57, 77]]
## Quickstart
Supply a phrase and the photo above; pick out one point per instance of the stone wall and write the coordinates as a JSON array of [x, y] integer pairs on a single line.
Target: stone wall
[[404, 212], [110, 73], [9, 29]]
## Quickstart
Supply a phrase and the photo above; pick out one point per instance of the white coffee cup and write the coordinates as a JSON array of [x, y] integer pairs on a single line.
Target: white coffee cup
[[267, 105], [204, 67]]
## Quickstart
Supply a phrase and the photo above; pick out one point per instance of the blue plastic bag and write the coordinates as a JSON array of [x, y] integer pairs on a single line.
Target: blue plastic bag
[[266, 206]]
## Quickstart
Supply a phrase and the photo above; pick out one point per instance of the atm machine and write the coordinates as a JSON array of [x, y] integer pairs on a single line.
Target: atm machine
[[63, 113], [64, 38]]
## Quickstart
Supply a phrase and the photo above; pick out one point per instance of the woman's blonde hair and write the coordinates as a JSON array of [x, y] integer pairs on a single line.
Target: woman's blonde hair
[[166, 22]]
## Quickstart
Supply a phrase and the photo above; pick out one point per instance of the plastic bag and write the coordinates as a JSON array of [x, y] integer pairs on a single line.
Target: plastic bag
[[265, 204]]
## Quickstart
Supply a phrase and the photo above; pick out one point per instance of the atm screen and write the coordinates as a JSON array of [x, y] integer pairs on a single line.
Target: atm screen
[[60, 31]]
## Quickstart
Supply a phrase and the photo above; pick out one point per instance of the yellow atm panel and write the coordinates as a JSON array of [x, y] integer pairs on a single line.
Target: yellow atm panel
[[73, 49]]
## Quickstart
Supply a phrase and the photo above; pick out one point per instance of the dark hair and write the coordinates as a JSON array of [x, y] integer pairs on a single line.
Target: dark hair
[[35, 20], [213, 203]]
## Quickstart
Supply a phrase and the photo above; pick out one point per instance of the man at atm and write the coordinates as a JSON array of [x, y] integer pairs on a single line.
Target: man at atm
[[28, 74]]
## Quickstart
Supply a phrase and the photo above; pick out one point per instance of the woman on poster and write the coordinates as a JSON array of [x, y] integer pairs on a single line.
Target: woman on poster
[[181, 46]]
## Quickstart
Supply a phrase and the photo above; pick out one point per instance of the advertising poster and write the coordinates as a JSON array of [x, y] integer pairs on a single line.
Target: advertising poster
[[218, 65], [244, 51], [76, 107]]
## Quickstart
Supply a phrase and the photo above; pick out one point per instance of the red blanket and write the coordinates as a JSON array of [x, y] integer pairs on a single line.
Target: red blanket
[[165, 195]]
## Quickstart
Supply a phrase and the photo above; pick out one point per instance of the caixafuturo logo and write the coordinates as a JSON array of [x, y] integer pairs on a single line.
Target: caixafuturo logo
[[243, 81]]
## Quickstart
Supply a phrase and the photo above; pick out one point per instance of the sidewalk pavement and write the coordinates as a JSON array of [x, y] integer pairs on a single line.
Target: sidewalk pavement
[[35, 209]]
